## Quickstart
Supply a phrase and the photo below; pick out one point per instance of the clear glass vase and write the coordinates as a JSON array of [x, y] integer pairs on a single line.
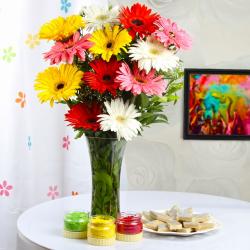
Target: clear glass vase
[[106, 155]]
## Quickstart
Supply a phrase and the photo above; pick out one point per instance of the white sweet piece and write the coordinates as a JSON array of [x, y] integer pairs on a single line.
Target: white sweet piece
[[174, 225], [185, 215], [201, 217], [173, 211], [163, 228], [154, 224], [160, 216]]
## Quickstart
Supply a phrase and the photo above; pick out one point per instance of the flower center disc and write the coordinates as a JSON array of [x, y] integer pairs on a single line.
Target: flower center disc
[[60, 86], [139, 80], [171, 34], [154, 51], [109, 45], [137, 22], [106, 78], [70, 44], [102, 17], [91, 120], [120, 118]]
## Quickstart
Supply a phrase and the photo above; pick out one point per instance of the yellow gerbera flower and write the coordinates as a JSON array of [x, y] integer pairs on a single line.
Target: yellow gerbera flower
[[109, 41], [57, 84], [61, 28]]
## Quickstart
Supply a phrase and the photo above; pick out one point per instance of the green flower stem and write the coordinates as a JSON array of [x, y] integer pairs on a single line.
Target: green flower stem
[[106, 156]]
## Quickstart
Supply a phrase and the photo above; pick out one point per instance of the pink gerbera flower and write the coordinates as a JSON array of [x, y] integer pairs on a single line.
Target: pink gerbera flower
[[65, 51], [138, 81], [171, 35]]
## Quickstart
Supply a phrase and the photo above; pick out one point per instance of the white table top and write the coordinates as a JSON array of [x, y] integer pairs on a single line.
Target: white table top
[[43, 223]]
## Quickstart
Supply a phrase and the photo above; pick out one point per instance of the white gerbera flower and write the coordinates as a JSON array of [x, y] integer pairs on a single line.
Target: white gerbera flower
[[96, 16], [120, 119], [152, 54]]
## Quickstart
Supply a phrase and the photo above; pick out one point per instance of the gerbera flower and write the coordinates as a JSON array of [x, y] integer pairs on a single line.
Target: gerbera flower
[[61, 28], [120, 119], [96, 17], [65, 51], [139, 82], [57, 84], [83, 115], [138, 20], [103, 77], [152, 54], [171, 35], [109, 41]]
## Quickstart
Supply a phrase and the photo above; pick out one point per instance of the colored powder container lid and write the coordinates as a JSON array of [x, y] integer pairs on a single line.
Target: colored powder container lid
[[75, 225], [129, 226], [101, 230]]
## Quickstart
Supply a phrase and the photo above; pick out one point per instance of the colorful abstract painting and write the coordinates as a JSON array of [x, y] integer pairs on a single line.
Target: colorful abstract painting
[[217, 104]]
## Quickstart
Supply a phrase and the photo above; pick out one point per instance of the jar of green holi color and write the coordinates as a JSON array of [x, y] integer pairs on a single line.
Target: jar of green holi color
[[75, 225]]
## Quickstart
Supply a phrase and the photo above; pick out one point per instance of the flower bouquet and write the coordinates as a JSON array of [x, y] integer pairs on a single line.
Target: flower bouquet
[[119, 69]]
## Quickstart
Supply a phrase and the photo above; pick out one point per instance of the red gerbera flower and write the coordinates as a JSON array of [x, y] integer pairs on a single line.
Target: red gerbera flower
[[138, 19], [102, 79], [83, 115]]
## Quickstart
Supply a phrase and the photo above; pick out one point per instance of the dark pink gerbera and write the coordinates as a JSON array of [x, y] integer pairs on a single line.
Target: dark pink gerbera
[[65, 51], [138, 81], [171, 35]]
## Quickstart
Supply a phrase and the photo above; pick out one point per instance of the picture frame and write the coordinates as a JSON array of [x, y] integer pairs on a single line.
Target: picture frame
[[216, 104]]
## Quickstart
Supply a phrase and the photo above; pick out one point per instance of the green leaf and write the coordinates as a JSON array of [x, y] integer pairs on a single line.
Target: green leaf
[[142, 101], [173, 98], [117, 169], [174, 88], [170, 98], [79, 134], [162, 117], [104, 181], [119, 57]]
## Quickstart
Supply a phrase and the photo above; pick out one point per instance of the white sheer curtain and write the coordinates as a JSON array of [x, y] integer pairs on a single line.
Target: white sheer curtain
[[39, 158]]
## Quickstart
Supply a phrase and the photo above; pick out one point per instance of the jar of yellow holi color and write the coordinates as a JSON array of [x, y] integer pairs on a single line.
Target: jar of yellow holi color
[[101, 230]]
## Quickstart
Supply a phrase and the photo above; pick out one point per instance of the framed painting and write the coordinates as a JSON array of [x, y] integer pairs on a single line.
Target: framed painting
[[217, 104]]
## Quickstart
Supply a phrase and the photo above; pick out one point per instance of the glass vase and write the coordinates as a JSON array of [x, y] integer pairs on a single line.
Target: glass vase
[[106, 155]]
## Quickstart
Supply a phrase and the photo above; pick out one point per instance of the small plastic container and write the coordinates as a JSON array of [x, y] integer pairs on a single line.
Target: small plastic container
[[129, 227], [101, 230], [75, 225]]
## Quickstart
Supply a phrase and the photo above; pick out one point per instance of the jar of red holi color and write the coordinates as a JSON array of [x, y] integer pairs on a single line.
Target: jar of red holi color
[[129, 227]]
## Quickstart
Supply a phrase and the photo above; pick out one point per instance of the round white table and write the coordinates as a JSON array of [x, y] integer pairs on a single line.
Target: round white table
[[43, 223]]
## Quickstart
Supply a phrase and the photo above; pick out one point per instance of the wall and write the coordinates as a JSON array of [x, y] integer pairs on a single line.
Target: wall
[[161, 159]]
